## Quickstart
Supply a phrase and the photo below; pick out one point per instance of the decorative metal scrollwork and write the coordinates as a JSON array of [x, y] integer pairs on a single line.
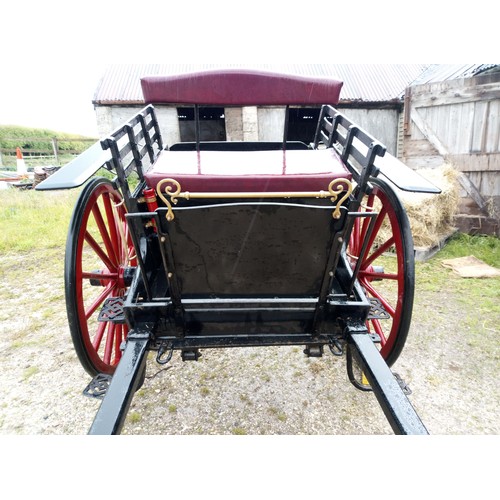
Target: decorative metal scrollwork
[[344, 185], [171, 188], [169, 191]]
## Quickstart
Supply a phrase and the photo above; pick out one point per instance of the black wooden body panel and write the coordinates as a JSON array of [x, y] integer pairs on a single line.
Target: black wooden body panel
[[250, 249]]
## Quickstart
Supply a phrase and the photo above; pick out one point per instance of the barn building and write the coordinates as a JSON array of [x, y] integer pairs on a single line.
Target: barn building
[[452, 116], [373, 93], [426, 115]]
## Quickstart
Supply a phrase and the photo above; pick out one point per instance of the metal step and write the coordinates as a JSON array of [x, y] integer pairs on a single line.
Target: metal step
[[377, 310], [98, 386], [112, 310]]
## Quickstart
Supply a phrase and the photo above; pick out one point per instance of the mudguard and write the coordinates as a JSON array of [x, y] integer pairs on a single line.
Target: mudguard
[[77, 171], [402, 176]]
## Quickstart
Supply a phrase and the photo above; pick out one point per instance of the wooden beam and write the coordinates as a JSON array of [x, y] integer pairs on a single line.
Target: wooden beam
[[464, 181], [476, 162], [406, 112], [455, 92], [428, 133], [473, 192]]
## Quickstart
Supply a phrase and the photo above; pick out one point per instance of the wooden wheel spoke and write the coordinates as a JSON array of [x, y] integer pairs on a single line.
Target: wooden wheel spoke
[[96, 341], [110, 337], [366, 220], [378, 224], [377, 253], [380, 331], [118, 340], [374, 293], [99, 300], [113, 220], [354, 240], [99, 251], [130, 253], [103, 230]]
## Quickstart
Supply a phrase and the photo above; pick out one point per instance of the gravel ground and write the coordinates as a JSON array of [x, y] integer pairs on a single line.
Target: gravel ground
[[239, 391]]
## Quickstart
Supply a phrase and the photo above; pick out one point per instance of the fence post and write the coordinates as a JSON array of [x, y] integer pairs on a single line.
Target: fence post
[[55, 148]]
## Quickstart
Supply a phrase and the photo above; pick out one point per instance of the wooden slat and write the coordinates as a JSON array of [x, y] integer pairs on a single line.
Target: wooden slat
[[479, 127], [473, 192], [476, 162], [428, 133], [453, 92], [492, 139]]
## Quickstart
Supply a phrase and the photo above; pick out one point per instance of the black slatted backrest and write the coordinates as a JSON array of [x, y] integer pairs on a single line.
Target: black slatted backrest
[[356, 147], [134, 147]]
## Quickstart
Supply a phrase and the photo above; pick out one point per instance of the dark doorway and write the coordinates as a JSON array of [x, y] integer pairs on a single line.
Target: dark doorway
[[212, 124], [302, 124]]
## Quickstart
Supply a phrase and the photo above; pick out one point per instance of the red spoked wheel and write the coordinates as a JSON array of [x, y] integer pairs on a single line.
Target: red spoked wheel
[[387, 271], [99, 254]]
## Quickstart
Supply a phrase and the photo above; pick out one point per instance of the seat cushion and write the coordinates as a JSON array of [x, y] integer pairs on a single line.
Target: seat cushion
[[249, 171], [240, 87]]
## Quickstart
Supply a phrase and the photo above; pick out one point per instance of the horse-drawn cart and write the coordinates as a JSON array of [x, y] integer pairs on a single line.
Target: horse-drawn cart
[[230, 244]]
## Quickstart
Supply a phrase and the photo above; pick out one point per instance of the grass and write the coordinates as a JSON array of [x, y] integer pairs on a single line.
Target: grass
[[9, 162], [281, 416], [29, 372], [34, 220], [239, 431], [483, 294], [134, 417], [37, 220], [485, 248]]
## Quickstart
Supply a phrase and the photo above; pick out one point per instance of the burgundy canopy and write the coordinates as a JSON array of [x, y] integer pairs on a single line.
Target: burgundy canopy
[[240, 88]]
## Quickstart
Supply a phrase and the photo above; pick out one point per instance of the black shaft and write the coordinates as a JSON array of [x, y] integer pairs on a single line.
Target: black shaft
[[396, 406], [126, 379]]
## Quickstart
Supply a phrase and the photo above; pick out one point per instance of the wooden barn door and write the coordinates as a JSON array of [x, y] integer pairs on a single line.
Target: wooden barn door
[[458, 122]]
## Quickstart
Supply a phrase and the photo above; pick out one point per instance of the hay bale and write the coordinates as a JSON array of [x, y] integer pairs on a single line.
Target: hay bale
[[431, 215]]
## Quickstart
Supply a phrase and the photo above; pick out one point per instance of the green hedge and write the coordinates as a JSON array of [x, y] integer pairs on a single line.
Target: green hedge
[[37, 139]]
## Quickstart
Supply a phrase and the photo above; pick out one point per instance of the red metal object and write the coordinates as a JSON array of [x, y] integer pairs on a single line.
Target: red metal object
[[151, 202], [150, 197]]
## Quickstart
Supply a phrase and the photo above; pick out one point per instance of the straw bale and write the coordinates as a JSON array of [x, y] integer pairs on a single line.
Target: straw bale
[[431, 215]]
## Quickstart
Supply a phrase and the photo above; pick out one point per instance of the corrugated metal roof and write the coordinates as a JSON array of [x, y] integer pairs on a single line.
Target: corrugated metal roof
[[442, 72], [120, 84]]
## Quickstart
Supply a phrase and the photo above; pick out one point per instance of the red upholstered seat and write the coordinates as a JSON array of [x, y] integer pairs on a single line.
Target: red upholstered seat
[[249, 171], [240, 88], [245, 171]]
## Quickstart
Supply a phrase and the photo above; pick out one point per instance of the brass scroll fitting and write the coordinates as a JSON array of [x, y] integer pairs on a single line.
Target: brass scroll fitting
[[343, 185], [169, 191]]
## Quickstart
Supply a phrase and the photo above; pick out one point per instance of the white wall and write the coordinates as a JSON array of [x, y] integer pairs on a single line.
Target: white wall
[[382, 124], [251, 123], [110, 118]]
